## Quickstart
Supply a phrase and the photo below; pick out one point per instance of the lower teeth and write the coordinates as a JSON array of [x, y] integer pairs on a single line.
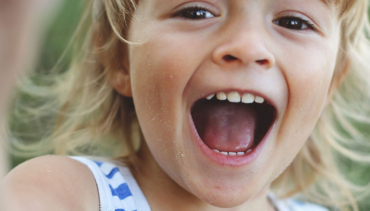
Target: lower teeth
[[233, 153]]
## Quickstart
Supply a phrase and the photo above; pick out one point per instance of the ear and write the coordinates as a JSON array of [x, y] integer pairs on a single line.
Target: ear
[[114, 58], [122, 83], [121, 77]]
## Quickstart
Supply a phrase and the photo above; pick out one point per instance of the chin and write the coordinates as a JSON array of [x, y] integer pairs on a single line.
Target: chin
[[226, 199], [224, 194]]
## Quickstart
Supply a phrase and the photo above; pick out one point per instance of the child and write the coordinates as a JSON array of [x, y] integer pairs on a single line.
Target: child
[[215, 105]]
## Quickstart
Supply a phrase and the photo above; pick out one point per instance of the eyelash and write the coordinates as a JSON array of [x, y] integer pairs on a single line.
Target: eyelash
[[309, 24], [181, 14]]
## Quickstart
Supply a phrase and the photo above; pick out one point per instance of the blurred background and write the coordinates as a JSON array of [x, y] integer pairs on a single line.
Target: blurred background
[[55, 42], [53, 51]]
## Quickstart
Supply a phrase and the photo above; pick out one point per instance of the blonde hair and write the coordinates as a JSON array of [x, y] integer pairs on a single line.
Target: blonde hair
[[87, 115]]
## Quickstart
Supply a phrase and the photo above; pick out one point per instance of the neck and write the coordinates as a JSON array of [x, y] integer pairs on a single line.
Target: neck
[[165, 194]]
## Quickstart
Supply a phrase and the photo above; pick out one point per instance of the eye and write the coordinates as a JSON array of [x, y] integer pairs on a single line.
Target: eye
[[194, 13], [294, 23]]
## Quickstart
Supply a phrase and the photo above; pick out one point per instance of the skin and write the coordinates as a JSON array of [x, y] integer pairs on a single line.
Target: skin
[[51, 183], [179, 61]]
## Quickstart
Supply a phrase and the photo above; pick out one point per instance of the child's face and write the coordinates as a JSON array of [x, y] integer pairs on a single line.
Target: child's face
[[282, 50]]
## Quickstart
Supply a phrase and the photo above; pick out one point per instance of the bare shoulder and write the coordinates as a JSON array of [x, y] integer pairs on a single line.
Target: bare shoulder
[[51, 183]]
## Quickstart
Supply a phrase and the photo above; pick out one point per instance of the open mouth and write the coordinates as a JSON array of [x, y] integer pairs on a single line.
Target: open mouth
[[233, 123]]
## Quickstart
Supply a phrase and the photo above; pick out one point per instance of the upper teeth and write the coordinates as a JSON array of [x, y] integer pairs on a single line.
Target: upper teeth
[[210, 97], [236, 97], [221, 96]]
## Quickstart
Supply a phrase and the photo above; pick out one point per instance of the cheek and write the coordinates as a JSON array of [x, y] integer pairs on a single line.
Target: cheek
[[309, 87], [160, 69], [156, 86], [308, 82]]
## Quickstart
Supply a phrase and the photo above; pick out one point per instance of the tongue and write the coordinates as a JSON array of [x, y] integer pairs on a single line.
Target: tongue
[[225, 126]]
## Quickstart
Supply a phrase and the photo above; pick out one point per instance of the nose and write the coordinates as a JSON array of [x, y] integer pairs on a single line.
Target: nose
[[246, 47]]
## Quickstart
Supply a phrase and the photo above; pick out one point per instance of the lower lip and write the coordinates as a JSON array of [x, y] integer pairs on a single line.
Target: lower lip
[[226, 160]]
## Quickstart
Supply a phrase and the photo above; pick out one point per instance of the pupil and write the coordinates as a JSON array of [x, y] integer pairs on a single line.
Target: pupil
[[194, 14], [291, 23]]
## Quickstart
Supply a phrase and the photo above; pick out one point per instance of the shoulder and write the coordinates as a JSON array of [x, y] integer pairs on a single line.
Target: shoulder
[[51, 183], [297, 205]]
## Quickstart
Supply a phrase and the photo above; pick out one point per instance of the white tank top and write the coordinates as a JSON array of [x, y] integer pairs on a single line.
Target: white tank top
[[118, 190]]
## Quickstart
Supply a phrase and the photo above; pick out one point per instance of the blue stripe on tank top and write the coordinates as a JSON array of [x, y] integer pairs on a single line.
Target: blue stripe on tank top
[[98, 163], [112, 173], [122, 210], [121, 191]]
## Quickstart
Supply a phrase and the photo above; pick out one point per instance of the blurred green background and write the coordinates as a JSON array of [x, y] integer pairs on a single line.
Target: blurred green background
[[54, 44], [56, 40]]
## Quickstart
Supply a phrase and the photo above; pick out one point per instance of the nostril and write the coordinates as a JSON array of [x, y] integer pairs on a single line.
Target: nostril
[[229, 58], [262, 62]]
